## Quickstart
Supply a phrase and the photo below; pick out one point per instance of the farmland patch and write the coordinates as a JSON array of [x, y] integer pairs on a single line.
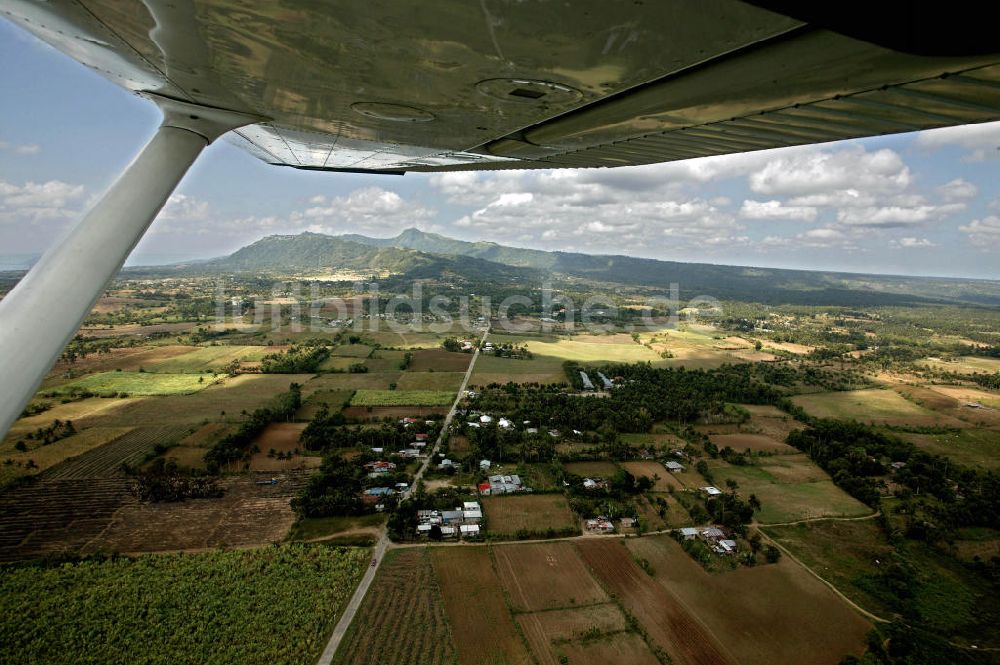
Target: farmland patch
[[534, 513], [541, 576]]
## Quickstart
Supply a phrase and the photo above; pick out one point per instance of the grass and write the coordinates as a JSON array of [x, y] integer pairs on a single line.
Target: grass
[[864, 405], [273, 605], [136, 383], [402, 398], [592, 352], [210, 358], [790, 487], [430, 381], [317, 528], [48, 456], [970, 447]]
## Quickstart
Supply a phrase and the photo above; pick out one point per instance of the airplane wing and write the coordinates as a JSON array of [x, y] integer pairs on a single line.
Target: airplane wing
[[391, 86]]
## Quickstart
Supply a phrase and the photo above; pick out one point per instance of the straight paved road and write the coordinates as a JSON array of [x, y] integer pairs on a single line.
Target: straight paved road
[[378, 553]]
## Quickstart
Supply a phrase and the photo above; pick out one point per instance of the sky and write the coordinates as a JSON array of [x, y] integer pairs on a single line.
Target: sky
[[925, 203]]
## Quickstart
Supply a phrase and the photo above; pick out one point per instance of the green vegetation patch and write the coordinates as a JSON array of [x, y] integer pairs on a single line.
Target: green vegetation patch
[[402, 398], [352, 351], [270, 605], [135, 383]]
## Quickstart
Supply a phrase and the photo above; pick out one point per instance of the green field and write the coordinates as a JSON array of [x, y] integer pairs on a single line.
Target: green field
[[136, 383], [790, 487], [270, 605], [592, 352], [430, 381], [864, 405], [402, 398], [971, 447], [210, 357], [352, 351]]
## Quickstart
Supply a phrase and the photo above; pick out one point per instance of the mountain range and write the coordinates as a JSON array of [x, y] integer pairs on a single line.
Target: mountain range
[[418, 254]]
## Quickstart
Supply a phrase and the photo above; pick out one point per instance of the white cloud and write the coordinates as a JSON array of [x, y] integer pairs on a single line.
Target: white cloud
[[822, 173], [367, 210], [20, 149], [958, 189], [911, 243], [896, 216], [982, 140], [776, 210], [35, 202], [984, 233]]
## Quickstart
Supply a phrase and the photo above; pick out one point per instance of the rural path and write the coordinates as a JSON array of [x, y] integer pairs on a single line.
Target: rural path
[[784, 550], [378, 552], [807, 520]]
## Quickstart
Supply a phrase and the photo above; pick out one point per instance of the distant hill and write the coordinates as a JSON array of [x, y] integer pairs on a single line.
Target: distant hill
[[720, 281], [414, 254]]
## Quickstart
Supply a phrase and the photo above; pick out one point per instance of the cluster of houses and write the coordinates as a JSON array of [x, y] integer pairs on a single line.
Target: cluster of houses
[[602, 524], [714, 537], [498, 484], [461, 522]]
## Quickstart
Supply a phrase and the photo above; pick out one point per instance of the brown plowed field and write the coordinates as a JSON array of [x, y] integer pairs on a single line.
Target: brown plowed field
[[534, 512], [665, 619], [775, 614], [541, 576], [482, 627], [757, 443], [402, 619], [624, 648], [105, 461], [366, 413], [247, 514], [439, 360], [540, 629], [57, 516]]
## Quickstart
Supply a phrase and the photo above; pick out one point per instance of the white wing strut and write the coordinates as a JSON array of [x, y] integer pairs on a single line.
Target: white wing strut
[[43, 312]]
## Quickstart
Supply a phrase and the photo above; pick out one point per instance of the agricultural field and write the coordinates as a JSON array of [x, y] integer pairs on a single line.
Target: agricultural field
[[964, 365], [373, 413], [484, 631], [283, 439], [599, 469], [135, 383], [790, 487], [402, 398], [667, 622], [587, 349], [691, 346], [57, 517], [351, 351], [544, 576], [334, 400], [439, 360], [872, 406], [338, 529], [211, 358], [662, 479], [127, 359], [402, 619], [758, 443], [534, 513], [367, 381], [130, 448], [970, 447], [245, 515], [551, 632], [766, 615], [438, 381], [45, 457], [222, 401], [490, 369], [152, 608]]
